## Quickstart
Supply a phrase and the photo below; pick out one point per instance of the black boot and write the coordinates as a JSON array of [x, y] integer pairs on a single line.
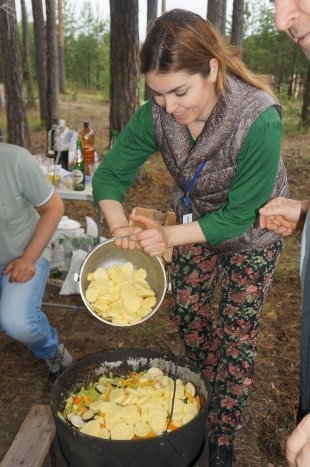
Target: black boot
[[221, 456]]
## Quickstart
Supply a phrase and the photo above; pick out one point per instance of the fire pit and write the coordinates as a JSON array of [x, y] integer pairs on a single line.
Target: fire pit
[[179, 448]]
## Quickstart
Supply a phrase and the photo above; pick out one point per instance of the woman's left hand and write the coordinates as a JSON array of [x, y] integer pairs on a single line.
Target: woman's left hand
[[154, 238]]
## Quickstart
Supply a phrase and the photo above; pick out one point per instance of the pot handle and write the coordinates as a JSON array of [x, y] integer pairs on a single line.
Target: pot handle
[[167, 271]]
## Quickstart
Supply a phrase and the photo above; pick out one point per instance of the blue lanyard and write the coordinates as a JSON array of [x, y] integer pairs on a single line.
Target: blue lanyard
[[188, 186]]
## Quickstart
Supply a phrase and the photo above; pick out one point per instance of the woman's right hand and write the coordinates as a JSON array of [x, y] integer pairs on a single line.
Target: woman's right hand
[[153, 238]]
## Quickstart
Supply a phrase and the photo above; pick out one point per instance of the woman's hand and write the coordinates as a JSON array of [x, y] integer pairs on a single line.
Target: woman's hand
[[154, 238], [129, 242]]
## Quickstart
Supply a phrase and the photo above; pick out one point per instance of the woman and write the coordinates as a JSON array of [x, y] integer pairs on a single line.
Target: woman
[[218, 128]]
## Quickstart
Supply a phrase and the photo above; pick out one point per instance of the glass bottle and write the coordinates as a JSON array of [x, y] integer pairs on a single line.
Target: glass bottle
[[87, 137], [78, 169]]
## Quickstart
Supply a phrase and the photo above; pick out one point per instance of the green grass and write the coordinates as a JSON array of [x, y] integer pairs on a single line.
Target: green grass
[[291, 114], [34, 121], [88, 96], [288, 266], [148, 333]]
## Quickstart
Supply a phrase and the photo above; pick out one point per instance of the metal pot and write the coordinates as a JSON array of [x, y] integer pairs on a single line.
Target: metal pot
[[179, 448], [108, 254]]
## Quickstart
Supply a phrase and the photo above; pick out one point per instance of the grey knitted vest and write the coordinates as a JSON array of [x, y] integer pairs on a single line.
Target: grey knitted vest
[[219, 144]]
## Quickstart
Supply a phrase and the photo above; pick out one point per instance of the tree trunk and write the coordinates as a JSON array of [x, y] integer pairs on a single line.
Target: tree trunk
[[52, 63], [237, 23], [163, 6], [124, 65], [124, 62], [61, 49], [216, 14], [152, 7], [17, 127], [40, 54], [290, 80], [305, 114], [27, 70]]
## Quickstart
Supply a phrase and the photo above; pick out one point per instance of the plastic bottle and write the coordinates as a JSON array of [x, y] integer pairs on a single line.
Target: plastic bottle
[[87, 137], [78, 170], [51, 152], [61, 145]]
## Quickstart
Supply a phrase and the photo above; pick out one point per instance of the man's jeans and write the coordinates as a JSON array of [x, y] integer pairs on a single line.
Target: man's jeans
[[20, 312]]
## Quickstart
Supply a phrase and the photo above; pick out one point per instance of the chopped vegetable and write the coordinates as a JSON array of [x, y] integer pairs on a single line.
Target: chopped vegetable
[[135, 406]]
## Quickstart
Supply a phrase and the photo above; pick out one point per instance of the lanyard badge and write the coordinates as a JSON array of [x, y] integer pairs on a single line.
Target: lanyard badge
[[188, 215]]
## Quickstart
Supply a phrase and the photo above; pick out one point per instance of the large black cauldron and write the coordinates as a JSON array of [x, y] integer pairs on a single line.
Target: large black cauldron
[[180, 448]]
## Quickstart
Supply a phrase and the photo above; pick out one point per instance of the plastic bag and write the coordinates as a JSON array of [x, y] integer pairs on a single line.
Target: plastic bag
[[63, 247], [70, 286]]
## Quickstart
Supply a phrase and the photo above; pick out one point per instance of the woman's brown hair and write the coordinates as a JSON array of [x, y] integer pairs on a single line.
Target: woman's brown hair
[[181, 40]]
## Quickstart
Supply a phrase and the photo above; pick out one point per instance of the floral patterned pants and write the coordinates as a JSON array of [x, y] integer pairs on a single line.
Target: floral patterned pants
[[223, 342]]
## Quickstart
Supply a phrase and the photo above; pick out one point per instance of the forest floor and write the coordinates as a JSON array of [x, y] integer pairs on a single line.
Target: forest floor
[[271, 409]]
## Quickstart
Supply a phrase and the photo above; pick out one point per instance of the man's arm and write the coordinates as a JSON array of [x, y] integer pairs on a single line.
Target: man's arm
[[22, 269], [283, 215]]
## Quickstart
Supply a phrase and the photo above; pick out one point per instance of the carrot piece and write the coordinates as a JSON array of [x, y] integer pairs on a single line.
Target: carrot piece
[[198, 404], [151, 434], [76, 400], [171, 427]]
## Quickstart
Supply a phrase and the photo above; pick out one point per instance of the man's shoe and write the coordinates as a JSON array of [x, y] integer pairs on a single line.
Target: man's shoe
[[221, 456], [60, 361]]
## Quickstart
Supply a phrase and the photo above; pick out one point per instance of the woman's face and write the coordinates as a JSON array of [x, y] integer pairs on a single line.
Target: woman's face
[[188, 98]]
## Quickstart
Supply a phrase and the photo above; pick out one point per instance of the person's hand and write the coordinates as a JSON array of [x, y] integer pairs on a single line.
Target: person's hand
[[298, 445], [281, 215], [127, 242], [21, 270], [153, 238]]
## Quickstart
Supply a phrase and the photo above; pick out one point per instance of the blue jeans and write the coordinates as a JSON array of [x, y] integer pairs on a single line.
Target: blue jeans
[[21, 316]]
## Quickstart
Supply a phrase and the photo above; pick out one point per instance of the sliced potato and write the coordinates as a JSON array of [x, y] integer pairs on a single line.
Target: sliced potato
[[91, 295], [120, 294], [142, 429], [158, 424], [117, 396], [92, 428], [122, 431], [139, 274]]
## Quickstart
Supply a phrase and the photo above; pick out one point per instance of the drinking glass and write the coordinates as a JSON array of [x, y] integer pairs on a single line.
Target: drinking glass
[[53, 174]]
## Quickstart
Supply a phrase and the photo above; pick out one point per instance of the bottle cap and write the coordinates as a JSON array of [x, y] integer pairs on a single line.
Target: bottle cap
[[86, 124]]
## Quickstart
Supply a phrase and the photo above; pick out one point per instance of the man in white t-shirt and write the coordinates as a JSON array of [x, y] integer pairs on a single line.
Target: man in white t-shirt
[[25, 254]]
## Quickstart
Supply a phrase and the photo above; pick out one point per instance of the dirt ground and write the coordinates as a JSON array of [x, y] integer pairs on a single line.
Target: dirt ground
[[271, 409]]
